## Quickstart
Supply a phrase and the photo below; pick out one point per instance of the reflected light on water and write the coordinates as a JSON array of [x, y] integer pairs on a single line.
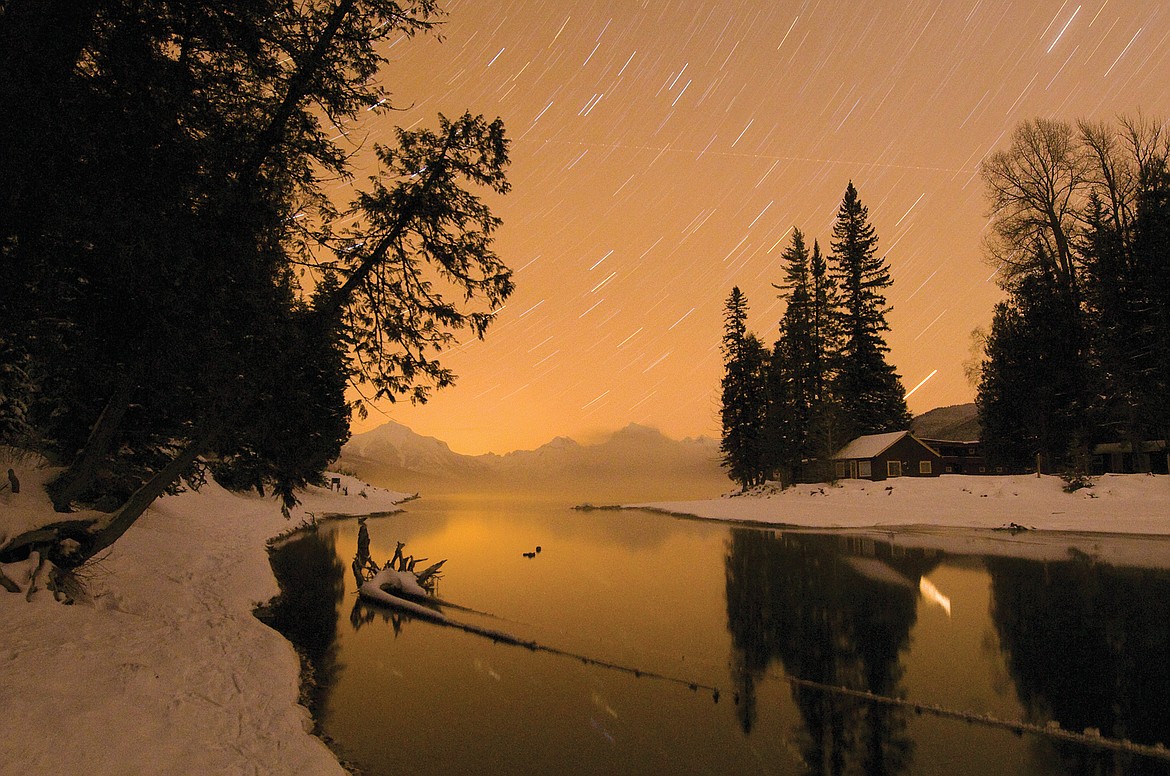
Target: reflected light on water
[[933, 595], [828, 650]]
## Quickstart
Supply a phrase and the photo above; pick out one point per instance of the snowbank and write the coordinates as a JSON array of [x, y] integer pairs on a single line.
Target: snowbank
[[1117, 503], [1123, 520], [165, 671]]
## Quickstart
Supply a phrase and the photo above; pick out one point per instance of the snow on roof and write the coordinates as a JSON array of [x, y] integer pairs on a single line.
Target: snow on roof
[[870, 445]]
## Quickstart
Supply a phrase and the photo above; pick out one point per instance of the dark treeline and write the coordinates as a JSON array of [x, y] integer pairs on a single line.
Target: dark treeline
[[1088, 645], [826, 379], [798, 601], [1079, 351], [1085, 644], [180, 293]]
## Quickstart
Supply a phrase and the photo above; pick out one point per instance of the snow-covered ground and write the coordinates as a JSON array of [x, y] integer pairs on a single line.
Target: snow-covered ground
[[1122, 519], [1116, 503], [165, 670]]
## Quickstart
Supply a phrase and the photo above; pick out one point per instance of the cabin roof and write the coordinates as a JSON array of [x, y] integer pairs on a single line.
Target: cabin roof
[[873, 445]]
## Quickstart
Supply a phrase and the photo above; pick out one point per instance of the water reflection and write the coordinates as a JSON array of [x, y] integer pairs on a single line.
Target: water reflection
[[806, 601], [745, 610], [1088, 646], [312, 583]]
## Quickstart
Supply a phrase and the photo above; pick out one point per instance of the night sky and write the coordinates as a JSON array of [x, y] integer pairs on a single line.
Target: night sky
[[663, 151]]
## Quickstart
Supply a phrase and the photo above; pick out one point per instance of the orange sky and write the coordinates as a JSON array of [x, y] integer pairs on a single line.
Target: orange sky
[[663, 151]]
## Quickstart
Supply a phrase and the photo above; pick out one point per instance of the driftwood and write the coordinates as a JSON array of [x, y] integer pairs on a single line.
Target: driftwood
[[404, 577], [430, 571], [402, 591]]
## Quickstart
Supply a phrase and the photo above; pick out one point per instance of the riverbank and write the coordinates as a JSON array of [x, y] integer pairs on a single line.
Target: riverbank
[[163, 668], [1115, 504], [1122, 520]]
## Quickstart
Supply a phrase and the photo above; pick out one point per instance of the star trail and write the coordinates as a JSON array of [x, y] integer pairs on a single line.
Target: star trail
[[663, 152]]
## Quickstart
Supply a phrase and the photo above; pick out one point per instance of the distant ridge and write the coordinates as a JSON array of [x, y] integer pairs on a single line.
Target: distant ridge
[[392, 455], [957, 423]]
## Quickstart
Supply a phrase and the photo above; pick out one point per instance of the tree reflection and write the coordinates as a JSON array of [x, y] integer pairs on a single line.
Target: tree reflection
[[312, 585], [812, 603], [1088, 646]]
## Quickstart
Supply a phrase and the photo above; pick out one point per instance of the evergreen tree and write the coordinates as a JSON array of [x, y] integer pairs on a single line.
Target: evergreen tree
[[1007, 436], [826, 344], [744, 400], [1152, 253], [1127, 295], [299, 419], [790, 370], [152, 315], [825, 436], [799, 404], [1080, 232], [1032, 395], [1113, 319], [872, 399]]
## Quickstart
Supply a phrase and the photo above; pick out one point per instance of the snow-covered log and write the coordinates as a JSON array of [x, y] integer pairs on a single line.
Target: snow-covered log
[[399, 590]]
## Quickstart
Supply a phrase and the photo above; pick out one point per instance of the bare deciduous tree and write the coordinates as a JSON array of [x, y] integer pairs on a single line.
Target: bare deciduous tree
[[1035, 188]]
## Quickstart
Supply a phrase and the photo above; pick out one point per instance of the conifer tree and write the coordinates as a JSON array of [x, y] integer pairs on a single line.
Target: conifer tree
[[790, 390], [743, 396], [872, 399], [1079, 237], [825, 435], [824, 299], [1152, 251], [1126, 280], [799, 371], [1007, 434], [153, 234], [1032, 395]]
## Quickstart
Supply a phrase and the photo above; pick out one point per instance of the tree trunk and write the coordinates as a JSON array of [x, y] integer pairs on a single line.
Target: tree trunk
[[86, 538], [83, 470], [138, 503], [298, 86]]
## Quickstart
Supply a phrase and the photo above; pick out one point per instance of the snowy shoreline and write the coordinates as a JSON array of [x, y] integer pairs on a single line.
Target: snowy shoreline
[[1117, 503], [1123, 519], [165, 669]]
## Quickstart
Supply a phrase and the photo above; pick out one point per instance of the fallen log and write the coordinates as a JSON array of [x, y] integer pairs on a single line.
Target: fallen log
[[401, 591]]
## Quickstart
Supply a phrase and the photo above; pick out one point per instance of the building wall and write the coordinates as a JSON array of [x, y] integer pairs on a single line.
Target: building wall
[[909, 454], [960, 457]]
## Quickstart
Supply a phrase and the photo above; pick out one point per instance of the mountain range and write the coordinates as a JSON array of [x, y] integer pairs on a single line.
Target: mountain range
[[637, 459], [395, 456]]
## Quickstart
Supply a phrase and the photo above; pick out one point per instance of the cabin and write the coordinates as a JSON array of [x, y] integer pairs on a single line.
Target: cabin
[[960, 457], [1120, 458], [882, 456]]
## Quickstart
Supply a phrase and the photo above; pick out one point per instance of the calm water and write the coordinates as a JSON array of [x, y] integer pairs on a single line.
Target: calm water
[[741, 610]]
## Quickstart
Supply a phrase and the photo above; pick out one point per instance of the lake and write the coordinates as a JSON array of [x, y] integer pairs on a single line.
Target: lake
[[689, 647]]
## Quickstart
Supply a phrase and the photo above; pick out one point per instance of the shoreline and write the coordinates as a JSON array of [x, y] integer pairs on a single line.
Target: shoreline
[[1136, 504], [1123, 520], [164, 667]]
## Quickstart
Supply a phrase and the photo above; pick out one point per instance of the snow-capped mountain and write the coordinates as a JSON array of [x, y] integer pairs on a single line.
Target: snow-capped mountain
[[394, 456], [394, 452]]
